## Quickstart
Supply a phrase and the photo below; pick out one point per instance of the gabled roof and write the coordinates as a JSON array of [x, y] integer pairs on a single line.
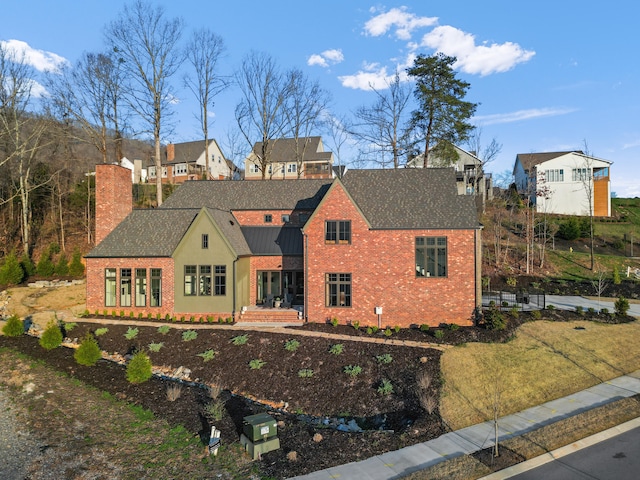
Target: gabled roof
[[230, 229], [274, 240], [249, 195], [146, 233], [190, 151], [410, 198], [284, 149], [529, 160]]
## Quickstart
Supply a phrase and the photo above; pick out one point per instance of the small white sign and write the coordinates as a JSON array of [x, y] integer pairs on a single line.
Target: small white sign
[[378, 310], [264, 430]]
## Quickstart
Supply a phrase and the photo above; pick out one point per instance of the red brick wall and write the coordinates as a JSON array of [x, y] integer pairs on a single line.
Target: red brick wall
[[96, 286], [114, 198], [382, 265]]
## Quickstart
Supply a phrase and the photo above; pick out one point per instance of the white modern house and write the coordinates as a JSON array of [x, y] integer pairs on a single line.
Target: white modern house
[[565, 183], [138, 174]]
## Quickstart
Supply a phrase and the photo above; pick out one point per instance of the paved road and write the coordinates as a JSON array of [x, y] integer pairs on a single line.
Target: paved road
[[616, 458]]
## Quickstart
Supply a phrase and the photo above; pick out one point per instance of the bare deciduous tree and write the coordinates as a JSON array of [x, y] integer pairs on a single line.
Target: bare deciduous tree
[[204, 50], [260, 113], [305, 104], [381, 128], [338, 135], [147, 42]]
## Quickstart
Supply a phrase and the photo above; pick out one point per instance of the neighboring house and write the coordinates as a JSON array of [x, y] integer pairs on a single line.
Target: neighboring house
[[471, 179], [187, 161], [138, 174], [564, 183], [355, 249], [290, 159]]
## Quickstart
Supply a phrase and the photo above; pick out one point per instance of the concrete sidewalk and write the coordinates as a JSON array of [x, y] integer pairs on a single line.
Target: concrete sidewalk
[[568, 302], [396, 464]]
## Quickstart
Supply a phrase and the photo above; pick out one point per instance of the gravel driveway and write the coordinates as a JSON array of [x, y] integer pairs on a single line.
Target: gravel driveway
[[18, 448]]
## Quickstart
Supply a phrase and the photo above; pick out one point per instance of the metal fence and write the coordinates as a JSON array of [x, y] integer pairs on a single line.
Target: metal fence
[[523, 301]]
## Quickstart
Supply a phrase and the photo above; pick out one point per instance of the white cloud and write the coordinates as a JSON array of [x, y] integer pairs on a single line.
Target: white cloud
[[472, 58], [520, 115], [326, 58], [399, 18], [41, 60]]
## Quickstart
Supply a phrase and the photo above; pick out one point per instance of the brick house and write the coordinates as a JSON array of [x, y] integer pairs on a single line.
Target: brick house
[[398, 247]]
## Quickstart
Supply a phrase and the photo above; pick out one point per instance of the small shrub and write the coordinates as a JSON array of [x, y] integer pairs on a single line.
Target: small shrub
[[385, 387], [121, 313], [334, 321], [536, 314], [551, 307], [101, 331], [424, 328], [494, 319], [388, 332], [356, 325], [604, 311], [374, 329], [384, 359], [336, 349], [621, 306], [454, 327], [214, 409], [51, 337], [164, 329], [167, 318], [579, 310], [256, 364], [155, 346], [189, 335], [512, 281], [396, 329], [139, 368], [616, 276], [149, 316], [88, 352], [369, 331], [208, 355], [69, 326], [131, 333], [229, 320], [305, 373], [291, 345], [240, 339], [140, 316], [13, 327], [174, 390], [353, 370], [439, 334], [591, 310]]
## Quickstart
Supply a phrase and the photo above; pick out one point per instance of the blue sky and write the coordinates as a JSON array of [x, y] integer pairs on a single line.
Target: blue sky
[[548, 75]]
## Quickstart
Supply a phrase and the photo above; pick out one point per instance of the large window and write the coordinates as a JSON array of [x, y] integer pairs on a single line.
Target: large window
[[141, 287], [156, 287], [190, 275], [431, 256], [338, 289], [580, 174], [555, 175], [220, 280], [110, 287], [205, 280], [337, 231], [125, 287]]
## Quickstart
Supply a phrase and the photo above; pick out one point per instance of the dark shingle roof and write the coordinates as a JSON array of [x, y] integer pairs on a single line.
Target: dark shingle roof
[[284, 149], [274, 240], [230, 228], [249, 194], [411, 198], [529, 160], [146, 233]]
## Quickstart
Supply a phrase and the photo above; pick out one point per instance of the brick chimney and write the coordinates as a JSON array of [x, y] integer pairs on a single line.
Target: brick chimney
[[171, 152], [114, 198]]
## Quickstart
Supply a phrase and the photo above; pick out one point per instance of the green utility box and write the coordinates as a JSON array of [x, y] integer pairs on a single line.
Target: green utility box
[[259, 435], [259, 427]]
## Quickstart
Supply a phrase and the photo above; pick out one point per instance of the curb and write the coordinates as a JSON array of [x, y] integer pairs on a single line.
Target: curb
[[563, 451]]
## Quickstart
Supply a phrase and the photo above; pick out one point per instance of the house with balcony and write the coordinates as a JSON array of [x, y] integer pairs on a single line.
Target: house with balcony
[[188, 161], [564, 183], [353, 248]]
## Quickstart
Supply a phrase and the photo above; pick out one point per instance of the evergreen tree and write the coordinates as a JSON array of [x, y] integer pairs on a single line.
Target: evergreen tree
[[27, 265], [11, 272], [45, 267], [76, 268], [441, 119], [62, 267]]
